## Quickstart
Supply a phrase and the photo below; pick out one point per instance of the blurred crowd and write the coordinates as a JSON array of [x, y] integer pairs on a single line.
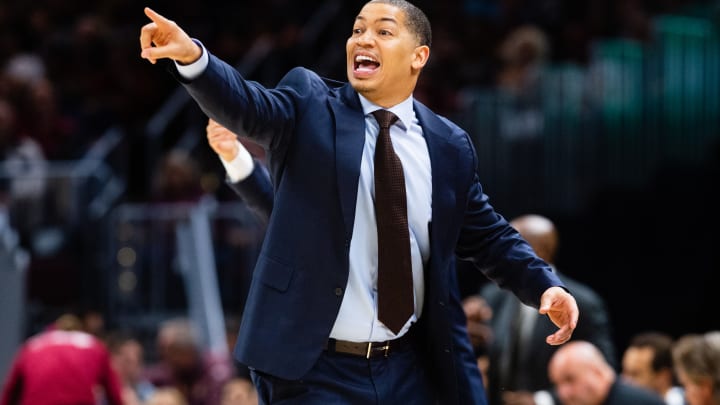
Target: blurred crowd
[[69, 71], [76, 360]]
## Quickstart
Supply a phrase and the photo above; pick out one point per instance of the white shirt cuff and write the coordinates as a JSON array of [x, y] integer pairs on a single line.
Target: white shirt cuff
[[240, 167], [196, 68]]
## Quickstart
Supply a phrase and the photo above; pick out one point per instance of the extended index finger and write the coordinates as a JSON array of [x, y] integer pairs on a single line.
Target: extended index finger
[[155, 17]]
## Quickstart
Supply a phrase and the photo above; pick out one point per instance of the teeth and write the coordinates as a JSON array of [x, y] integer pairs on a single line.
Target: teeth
[[363, 58]]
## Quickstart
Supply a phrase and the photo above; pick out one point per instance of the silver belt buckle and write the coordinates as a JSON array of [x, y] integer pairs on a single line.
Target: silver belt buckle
[[386, 348]]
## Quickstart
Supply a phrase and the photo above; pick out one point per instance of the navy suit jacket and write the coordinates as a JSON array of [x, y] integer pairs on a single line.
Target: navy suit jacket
[[257, 192], [314, 131]]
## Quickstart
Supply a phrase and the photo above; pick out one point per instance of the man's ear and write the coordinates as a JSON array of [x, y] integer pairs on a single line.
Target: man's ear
[[420, 57]]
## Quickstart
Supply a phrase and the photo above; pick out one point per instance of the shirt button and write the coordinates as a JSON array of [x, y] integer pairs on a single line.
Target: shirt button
[[339, 292]]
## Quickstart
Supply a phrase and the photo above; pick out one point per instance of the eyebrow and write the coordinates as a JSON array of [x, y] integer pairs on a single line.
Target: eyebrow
[[381, 19]]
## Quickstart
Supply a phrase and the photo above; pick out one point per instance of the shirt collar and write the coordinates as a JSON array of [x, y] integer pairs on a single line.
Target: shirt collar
[[404, 109]]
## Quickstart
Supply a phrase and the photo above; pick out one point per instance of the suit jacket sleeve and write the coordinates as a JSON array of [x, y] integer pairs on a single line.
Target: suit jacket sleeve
[[268, 116], [256, 190], [497, 249]]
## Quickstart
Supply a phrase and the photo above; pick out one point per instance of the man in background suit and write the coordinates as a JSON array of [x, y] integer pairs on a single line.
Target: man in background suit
[[582, 376], [647, 363], [517, 358], [311, 331]]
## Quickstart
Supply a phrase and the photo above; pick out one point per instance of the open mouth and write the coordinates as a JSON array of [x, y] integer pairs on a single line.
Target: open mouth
[[365, 64]]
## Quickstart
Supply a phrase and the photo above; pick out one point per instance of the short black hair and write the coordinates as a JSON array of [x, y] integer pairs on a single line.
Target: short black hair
[[417, 21], [661, 345]]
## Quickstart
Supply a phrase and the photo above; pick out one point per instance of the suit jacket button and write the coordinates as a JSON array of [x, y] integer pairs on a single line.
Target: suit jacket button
[[339, 292]]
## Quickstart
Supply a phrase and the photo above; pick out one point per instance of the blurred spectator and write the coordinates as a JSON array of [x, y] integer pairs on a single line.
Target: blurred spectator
[[647, 363], [523, 55], [128, 360], [517, 353], [24, 167], [239, 391], [93, 322], [177, 179], [184, 365], [521, 109], [167, 396], [479, 314], [697, 363], [62, 365], [582, 376], [39, 114]]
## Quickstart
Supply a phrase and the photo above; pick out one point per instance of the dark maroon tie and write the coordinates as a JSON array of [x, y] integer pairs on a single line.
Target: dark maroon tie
[[395, 283]]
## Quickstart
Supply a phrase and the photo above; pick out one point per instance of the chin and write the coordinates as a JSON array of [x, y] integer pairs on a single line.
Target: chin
[[364, 84], [361, 86]]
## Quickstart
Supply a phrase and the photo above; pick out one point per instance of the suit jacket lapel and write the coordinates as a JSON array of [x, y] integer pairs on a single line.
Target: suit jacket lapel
[[349, 142], [442, 158], [350, 139]]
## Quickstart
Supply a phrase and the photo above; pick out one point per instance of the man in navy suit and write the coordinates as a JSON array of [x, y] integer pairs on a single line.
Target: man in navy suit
[[254, 187], [310, 331]]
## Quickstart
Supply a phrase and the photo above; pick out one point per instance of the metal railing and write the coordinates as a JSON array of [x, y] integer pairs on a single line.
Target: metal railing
[[171, 259], [613, 123]]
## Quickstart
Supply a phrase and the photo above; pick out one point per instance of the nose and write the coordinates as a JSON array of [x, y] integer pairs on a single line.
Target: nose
[[365, 38]]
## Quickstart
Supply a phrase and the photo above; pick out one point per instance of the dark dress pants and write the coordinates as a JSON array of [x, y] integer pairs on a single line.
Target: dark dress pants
[[352, 380]]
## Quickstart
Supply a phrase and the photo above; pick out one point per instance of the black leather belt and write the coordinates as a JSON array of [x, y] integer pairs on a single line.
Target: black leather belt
[[369, 349]]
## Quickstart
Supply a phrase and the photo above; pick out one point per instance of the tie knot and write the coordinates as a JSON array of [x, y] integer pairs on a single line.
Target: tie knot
[[385, 118]]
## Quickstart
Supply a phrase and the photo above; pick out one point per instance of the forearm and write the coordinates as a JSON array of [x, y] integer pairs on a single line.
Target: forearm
[[244, 107], [500, 253]]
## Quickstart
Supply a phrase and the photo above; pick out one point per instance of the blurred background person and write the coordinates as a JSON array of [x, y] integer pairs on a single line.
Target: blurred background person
[[128, 360], [239, 391], [62, 365], [167, 396], [517, 355], [523, 54], [183, 364], [582, 376], [647, 363], [697, 364], [177, 179], [23, 164]]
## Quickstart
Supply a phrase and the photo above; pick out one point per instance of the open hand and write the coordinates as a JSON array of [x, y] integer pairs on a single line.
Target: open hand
[[562, 310]]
